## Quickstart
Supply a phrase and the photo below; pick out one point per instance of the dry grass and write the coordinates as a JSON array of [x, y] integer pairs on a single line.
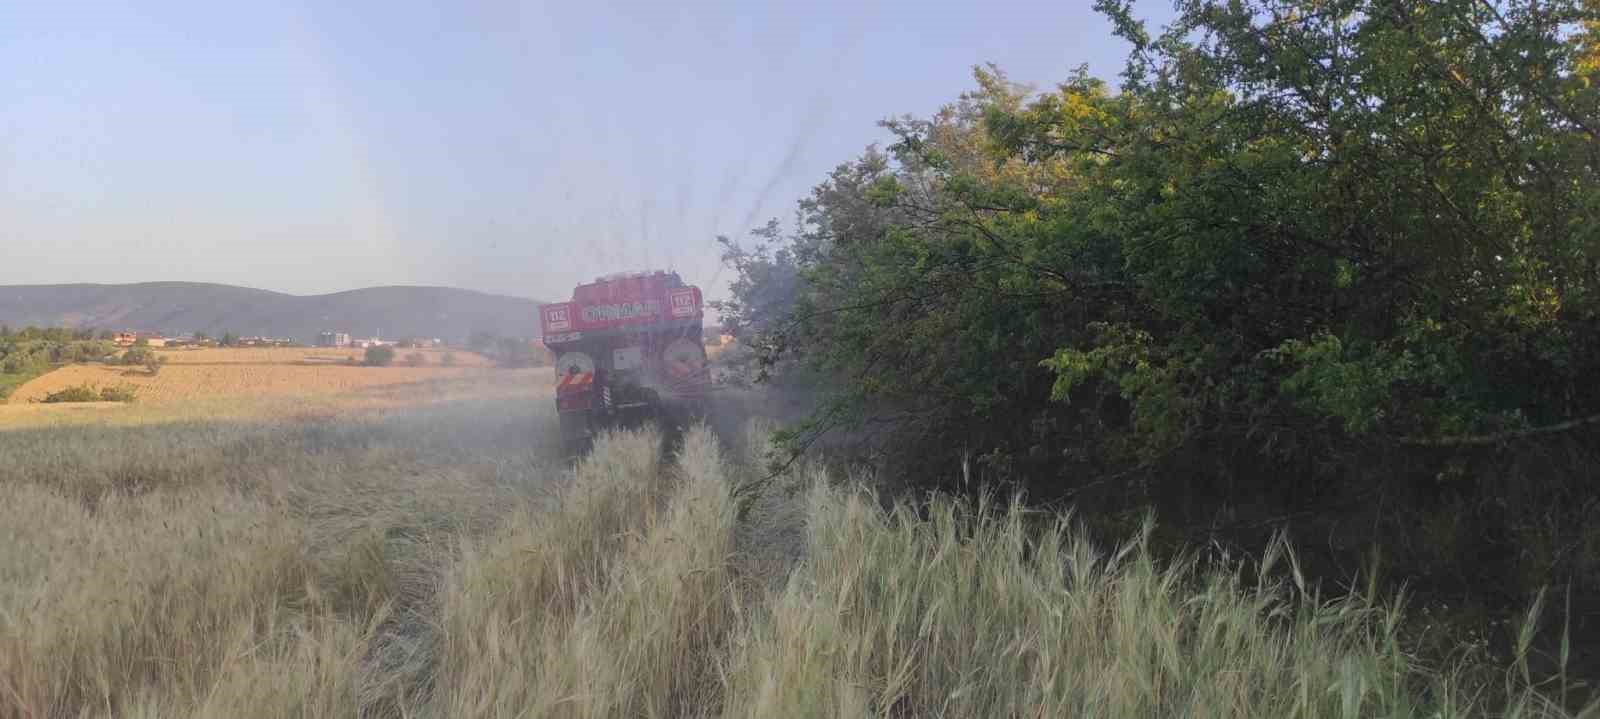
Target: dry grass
[[437, 562], [395, 393], [152, 594], [508, 600], [265, 568], [598, 617], [968, 614], [252, 372], [307, 355]]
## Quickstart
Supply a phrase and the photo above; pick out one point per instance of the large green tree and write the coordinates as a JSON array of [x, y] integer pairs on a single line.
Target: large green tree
[[1382, 212], [1297, 229]]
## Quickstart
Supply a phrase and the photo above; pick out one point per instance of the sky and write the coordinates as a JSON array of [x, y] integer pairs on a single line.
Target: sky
[[509, 147]]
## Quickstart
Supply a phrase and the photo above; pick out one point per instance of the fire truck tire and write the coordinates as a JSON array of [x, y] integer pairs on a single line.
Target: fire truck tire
[[576, 432]]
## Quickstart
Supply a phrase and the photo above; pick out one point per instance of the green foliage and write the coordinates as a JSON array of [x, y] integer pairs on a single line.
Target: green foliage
[[26, 360], [415, 359], [379, 356], [85, 351], [505, 351], [79, 393], [1308, 257], [121, 393], [46, 334], [138, 355], [514, 352], [1392, 244], [448, 360], [10, 382], [88, 393], [32, 351], [1292, 217]]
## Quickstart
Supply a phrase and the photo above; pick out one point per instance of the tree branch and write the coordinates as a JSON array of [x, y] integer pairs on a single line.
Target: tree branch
[[1486, 440]]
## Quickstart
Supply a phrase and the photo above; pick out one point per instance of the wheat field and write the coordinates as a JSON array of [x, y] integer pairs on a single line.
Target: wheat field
[[443, 561]]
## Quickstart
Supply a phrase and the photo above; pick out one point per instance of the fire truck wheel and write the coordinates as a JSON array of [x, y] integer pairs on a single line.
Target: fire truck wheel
[[576, 434]]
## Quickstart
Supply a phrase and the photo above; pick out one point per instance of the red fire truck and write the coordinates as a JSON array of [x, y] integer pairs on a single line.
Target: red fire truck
[[629, 347]]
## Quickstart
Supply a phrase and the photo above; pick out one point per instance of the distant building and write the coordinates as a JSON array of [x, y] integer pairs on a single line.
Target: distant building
[[333, 339], [259, 341], [128, 339]]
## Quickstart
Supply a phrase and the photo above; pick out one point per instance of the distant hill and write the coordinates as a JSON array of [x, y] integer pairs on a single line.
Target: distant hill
[[178, 307]]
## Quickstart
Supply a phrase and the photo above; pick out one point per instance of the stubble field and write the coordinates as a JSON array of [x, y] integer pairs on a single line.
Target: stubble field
[[241, 373]]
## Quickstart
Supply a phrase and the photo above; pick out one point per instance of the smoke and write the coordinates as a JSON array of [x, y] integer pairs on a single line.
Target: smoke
[[816, 115]]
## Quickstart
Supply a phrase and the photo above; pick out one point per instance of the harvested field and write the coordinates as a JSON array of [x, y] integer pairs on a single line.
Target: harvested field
[[195, 374], [307, 356], [522, 386]]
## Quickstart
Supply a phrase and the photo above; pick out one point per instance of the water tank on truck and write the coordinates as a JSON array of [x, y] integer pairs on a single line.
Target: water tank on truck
[[629, 348]]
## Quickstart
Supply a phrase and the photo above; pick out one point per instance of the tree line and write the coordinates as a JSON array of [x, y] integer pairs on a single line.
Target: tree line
[[507, 351], [1314, 257]]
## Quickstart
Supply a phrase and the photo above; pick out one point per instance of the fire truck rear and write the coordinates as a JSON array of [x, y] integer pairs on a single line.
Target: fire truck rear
[[629, 347]]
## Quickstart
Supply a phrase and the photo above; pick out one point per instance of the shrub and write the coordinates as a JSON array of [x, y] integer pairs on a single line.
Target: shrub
[[153, 364], [415, 359], [448, 360], [379, 356], [95, 351], [138, 355], [23, 363], [80, 393], [123, 393], [512, 352]]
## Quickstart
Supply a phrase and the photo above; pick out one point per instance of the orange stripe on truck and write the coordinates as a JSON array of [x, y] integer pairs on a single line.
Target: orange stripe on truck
[[575, 380]]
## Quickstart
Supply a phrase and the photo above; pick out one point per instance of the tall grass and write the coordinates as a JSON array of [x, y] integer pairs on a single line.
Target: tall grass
[[963, 611], [649, 644], [611, 604], [506, 601], [243, 569], [440, 563], [145, 602]]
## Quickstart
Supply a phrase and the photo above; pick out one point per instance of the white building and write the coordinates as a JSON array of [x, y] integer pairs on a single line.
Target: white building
[[333, 339]]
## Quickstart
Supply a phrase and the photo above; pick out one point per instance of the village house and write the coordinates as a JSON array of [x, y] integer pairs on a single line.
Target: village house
[[130, 338], [333, 339]]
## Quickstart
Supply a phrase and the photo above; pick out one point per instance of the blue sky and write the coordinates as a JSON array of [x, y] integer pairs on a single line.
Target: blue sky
[[501, 146]]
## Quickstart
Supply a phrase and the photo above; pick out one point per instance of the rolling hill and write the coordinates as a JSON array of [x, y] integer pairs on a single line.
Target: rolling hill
[[177, 307]]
